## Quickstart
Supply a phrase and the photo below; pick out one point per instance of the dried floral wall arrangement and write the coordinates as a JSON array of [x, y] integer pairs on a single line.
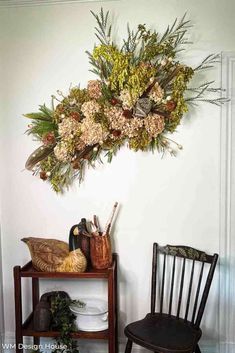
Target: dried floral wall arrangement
[[140, 98]]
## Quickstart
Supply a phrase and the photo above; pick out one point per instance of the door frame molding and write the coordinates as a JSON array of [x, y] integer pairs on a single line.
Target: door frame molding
[[227, 173], [2, 329]]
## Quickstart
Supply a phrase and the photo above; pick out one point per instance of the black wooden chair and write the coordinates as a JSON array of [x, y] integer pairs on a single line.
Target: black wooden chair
[[183, 289]]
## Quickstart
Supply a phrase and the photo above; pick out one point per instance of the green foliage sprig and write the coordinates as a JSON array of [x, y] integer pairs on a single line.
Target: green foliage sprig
[[63, 320]]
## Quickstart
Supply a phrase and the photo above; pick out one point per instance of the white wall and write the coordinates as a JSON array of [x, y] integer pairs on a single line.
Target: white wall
[[170, 200]]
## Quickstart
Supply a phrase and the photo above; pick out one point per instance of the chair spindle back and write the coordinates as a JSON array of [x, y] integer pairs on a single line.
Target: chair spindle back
[[170, 266]]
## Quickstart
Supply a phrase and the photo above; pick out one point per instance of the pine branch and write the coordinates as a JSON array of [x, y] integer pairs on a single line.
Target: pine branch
[[132, 41], [215, 101], [103, 30], [198, 89], [201, 92], [101, 68], [177, 31], [208, 62]]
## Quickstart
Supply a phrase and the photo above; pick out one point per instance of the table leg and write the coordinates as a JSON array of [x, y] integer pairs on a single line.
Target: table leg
[[35, 299], [111, 308], [116, 308], [18, 309]]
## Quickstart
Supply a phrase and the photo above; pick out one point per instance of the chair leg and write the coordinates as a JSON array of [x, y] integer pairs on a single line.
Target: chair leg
[[197, 350], [128, 346]]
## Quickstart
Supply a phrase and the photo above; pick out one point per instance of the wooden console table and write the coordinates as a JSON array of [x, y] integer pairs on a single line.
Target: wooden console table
[[25, 328]]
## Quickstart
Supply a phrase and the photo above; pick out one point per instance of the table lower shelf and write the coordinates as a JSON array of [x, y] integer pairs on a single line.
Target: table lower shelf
[[28, 330]]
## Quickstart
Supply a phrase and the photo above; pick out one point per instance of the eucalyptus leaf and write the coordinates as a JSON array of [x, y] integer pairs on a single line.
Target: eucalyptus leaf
[[37, 116]]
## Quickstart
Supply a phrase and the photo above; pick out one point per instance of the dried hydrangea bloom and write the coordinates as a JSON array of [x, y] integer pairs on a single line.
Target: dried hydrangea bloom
[[75, 116], [90, 108], [68, 127], [115, 117], [132, 126], [61, 152], [92, 132], [79, 144], [127, 100], [154, 124], [94, 89], [156, 93]]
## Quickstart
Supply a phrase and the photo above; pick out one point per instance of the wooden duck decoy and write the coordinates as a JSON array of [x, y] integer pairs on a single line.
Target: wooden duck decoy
[[52, 255]]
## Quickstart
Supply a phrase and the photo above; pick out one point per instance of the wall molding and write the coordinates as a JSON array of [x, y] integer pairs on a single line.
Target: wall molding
[[1, 294], [24, 3], [227, 203]]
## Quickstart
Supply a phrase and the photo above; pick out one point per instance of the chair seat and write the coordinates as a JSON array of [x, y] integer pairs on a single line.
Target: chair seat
[[163, 333]]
